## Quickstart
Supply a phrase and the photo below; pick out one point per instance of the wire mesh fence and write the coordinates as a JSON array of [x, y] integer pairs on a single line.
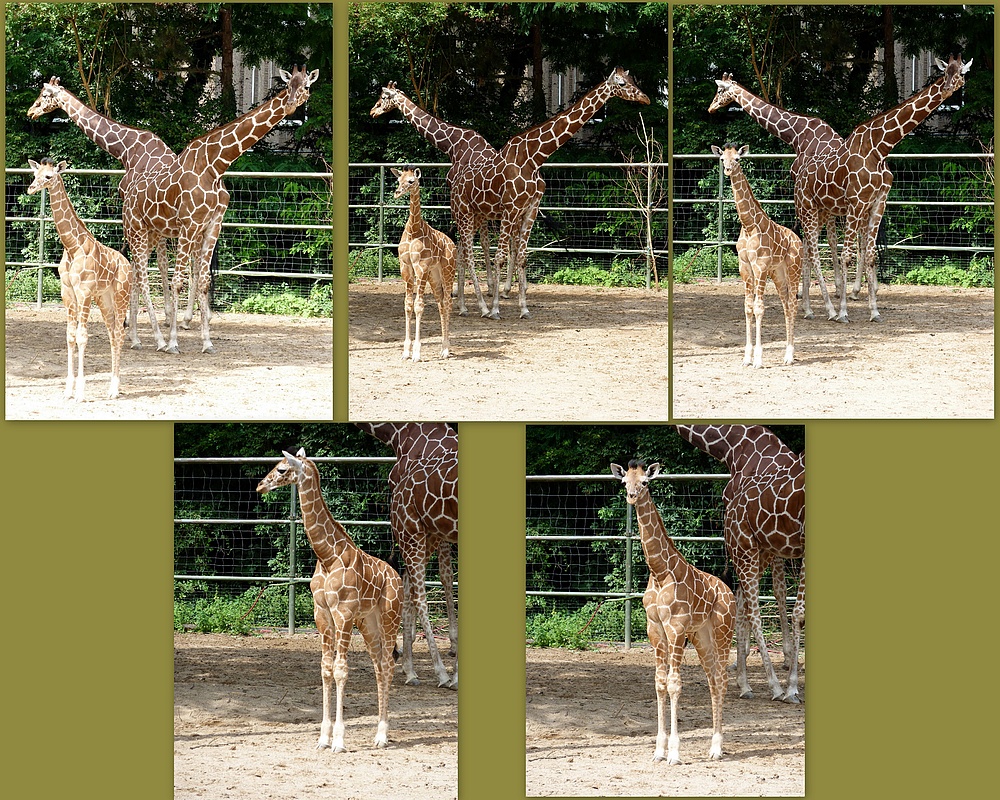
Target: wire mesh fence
[[240, 553], [277, 236], [595, 223], [939, 214], [584, 562]]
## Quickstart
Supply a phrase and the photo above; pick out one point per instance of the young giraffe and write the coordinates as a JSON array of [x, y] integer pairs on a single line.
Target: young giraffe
[[350, 589], [424, 518], [186, 199], [89, 272], [425, 256], [764, 520], [766, 250], [139, 151], [505, 185], [850, 179], [682, 603]]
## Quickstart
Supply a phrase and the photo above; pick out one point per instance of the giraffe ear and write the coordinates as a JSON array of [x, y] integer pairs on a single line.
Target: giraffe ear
[[743, 150], [301, 453], [941, 65], [617, 471], [395, 171], [416, 173], [61, 166], [311, 78], [717, 150], [967, 65], [286, 76], [34, 165], [652, 471]]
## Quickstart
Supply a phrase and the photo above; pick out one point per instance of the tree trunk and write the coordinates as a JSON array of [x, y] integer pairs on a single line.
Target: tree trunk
[[228, 89], [889, 46]]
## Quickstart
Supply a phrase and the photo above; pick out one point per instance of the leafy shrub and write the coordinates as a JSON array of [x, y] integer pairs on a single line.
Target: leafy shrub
[[703, 262], [240, 614], [21, 286], [283, 300], [364, 264], [621, 274], [944, 272]]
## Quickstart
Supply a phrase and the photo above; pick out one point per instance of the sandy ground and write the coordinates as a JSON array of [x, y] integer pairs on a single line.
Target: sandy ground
[[930, 357], [585, 354], [591, 730], [264, 368], [247, 713]]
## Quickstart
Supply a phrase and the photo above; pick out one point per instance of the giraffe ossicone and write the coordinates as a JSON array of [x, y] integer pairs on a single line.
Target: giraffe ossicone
[[426, 256], [89, 272], [682, 604], [766, 250], [350, 588]]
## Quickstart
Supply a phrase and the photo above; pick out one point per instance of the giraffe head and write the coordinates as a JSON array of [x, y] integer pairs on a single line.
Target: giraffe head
[[289, 470], [726, 94], [387, 101], [954, 74], [636, 478], [298, 81], [48, 100], [730, 156], [46, 173], [409, 182], [622, 85]]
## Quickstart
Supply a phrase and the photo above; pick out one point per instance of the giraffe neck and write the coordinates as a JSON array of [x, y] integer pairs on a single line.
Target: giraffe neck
[[132, 146], [534, 147], [388, 432], [460, 144], [328, 538], [219, 148], [415, 219], [750, 212], [806, 135], [882, 133], [72, 232], [662, 556], [740, 447]]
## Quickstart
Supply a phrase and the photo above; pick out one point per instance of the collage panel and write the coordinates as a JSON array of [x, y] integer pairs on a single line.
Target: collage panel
[[791, 126], [500, 151], [163, 160], [300, 553], [659, 558]]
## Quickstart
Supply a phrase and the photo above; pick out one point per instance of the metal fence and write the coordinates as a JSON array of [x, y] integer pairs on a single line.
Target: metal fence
[[590, 222], [277, 234], [584, 557], [234, 544], [939, 213]]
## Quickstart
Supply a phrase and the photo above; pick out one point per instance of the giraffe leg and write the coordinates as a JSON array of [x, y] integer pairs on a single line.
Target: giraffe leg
[[839, 276], [867, 250], [465, 259], [447, 585], [444, 308], [751, 612], [418, 313], [201, 277], [675, 653], [521, 253], [342, 641], [417, 569], [324, 624], [112, 304], [798, 621], [778, 586], [811, 264], [140, 246], [742, 646], [785, 282], [409, 630], [408, 301], [372, 632], [658, 641], [713, 663]]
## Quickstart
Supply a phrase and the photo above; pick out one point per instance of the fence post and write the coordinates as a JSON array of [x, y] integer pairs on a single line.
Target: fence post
[[719, 249], [628, 576], [381, 218], [41, 247], [291, 559]]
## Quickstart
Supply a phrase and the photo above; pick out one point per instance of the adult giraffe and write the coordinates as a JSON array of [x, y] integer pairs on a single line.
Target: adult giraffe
[[504, 185], [423, 515], [186, 199], [845, 178], [764, 520], [139, 151]]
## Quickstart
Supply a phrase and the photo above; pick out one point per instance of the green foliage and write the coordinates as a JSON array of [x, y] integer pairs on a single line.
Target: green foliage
[[703, 262], [364, 264], [239, 614], [942, 271], [281, 299], [21, 286], [621, 273], [547, 626]]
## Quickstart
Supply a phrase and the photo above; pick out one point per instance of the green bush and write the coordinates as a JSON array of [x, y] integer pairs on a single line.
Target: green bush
[[283, 300], [703, 262], [21, 286], [364, 264], [621, 274], [942, 271], [240, 614], [551, 627]]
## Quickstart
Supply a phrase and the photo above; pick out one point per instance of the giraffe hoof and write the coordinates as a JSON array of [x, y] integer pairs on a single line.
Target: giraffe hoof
[[525, 314], [854, 296], [414, 681], [491, 315], [208, 349], [808, 315], [876, 318], [841, 318], [747, 695], [792, 698], [135, 346]]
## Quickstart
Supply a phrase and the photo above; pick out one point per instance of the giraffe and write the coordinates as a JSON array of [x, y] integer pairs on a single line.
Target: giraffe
[[139, 151], [89, 272], [837, 177], [423, 515], [350, 588], [764, 520], [505, 185], [766, 250], [425, 256], [682, 603], [186, 199]]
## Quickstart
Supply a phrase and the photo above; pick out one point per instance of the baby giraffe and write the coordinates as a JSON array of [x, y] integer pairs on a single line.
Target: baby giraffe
[[425, 256], [350, 588], [89, 272], [766, 250]]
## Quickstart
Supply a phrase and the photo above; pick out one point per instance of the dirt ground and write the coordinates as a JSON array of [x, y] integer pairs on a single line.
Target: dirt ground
[[591, 730], [585, 354], [264, 368], [930, 357], [247, 713]]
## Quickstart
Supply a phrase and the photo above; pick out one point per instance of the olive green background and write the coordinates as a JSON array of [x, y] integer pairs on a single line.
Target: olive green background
[[901, 621]]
